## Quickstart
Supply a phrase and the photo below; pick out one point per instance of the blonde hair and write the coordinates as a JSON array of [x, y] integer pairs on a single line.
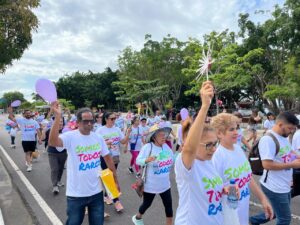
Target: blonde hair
[[187, 124], [223, 121]]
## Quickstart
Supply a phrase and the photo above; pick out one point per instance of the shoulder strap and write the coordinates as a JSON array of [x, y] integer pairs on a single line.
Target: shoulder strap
[[275, 140], [277, 150], [145, 167]]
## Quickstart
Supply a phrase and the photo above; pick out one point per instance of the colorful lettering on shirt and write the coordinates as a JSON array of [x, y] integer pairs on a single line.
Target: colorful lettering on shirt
[[29, 127], [114, 138], [232, 173], [164, 162], [285, 154], [214, 196], [89, 156]]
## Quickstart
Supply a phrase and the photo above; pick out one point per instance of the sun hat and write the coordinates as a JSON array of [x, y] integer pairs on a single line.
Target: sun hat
[[157, 128]]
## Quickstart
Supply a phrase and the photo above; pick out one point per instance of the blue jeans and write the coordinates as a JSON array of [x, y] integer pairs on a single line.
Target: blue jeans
[[281, 203], [76, 209]]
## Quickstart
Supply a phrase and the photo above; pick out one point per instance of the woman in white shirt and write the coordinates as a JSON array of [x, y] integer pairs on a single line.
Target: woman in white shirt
[[158, 157], [270, 122], [231, 163], [200, 187]]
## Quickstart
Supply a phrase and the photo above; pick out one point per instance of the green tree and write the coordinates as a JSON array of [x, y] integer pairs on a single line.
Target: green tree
[[88, 89], [17, 22], [12, 96], [156, 61]]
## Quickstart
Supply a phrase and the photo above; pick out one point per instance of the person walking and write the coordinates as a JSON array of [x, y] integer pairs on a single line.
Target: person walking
[[231, 163], [56, 157], [200, 187], [84, 148], [277, 176], [30, 130], [158, 157]]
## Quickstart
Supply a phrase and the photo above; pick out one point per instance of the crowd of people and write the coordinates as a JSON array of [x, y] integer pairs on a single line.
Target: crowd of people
[[210, 156]]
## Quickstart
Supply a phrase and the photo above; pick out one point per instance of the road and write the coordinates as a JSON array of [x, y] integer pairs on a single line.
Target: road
[[40, 180]]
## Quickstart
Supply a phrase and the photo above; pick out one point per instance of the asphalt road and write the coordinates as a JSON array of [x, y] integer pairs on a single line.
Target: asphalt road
[[40, 179]]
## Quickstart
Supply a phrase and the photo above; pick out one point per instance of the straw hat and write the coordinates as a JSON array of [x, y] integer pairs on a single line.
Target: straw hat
[[157, 128]]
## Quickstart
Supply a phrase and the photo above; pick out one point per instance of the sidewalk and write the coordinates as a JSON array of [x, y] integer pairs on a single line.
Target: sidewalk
[[14, 211]]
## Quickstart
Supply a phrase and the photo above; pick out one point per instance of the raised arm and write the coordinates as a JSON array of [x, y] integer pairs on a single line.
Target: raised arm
[[54, 139], [193, 139]]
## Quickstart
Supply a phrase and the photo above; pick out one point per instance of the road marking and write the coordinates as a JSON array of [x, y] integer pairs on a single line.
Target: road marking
[[45, 207], [260, 206], [1, 218]]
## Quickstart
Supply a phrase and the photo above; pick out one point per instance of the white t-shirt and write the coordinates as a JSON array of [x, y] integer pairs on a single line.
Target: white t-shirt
[[200, 193], [136, 137], [113, 134], [278, 181], [83, 164], [157, 119], [150, 121], [145, 130], [268, 124], [28, 128], [158, 172], [234, 165], [97, 126], [296, 141]]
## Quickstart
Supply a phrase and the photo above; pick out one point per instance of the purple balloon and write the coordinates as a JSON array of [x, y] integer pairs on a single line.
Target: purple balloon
[[184, 113], [16, 103], [46, 89]]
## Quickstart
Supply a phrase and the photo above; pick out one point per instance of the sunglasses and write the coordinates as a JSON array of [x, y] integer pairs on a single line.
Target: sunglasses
[[112, 119], [86, 122], [210, 145]]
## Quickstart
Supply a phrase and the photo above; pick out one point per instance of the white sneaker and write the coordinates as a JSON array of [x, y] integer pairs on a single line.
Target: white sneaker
[[136, 221], [29, 168], [60, 184], [55, 190]]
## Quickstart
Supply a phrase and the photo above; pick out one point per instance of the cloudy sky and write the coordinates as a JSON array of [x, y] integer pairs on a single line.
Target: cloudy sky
[[76, 35]]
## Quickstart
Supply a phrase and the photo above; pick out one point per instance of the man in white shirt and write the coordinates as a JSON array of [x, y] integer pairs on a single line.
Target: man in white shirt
[[30, 130], [84, 149], [277, 177]]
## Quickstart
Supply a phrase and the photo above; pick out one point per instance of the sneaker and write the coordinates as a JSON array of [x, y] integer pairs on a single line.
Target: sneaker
[[55, 190], [136, 221], [130, 170], [106, 215], [29, 168], [138, 175], [60, 184], [118, 206], [108, 200]]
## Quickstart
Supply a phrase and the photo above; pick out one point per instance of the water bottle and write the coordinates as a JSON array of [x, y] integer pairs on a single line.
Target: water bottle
[[232, 198]]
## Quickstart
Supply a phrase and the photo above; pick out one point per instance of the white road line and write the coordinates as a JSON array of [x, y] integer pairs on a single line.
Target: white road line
[[260, 206], [1, 218], [45, 207]]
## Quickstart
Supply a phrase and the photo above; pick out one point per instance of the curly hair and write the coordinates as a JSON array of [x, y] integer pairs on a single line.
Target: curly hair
[[223, 121]]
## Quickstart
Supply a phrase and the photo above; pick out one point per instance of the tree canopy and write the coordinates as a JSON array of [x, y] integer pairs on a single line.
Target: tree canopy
[[17, 21]]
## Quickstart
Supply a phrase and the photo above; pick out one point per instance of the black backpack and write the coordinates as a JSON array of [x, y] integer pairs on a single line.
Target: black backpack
[[254, 157]]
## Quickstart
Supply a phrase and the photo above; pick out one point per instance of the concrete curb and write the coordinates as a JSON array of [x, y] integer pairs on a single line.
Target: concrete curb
[[14, 210]]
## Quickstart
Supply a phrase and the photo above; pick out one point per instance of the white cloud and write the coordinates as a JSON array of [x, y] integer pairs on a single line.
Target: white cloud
[[75, 35]]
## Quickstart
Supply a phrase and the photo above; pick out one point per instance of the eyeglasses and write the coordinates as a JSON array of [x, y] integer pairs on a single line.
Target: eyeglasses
[[210, 145], [86, 122], [112, 119]]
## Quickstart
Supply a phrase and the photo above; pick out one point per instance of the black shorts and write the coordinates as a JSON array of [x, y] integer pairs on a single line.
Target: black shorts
[[29, 146]]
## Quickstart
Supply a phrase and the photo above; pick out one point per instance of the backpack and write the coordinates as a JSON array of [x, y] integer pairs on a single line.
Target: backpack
[[255, 160]]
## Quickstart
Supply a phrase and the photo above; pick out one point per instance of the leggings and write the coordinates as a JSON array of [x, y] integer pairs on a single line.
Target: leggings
[[134, 155], [166, 199], [12, 138]]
